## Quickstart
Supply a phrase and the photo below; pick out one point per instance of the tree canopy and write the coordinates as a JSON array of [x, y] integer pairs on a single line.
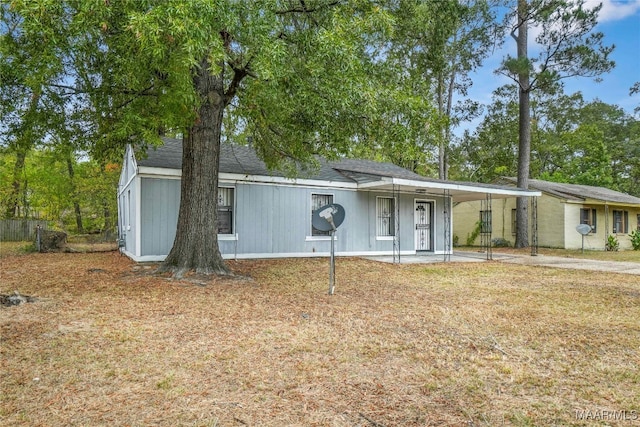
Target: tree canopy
[[297, 79]]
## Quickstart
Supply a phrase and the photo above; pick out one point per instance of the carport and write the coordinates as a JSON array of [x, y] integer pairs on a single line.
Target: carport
[[455, 192]]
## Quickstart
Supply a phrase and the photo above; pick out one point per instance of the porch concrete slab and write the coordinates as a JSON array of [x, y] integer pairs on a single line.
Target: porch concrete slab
[[433, 258]]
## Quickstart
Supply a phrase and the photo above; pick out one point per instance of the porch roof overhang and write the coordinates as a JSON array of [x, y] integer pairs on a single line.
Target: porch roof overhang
[[458, 191]]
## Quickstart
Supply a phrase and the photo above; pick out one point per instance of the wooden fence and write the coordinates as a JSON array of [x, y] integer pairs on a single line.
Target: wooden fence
[[20, 230]]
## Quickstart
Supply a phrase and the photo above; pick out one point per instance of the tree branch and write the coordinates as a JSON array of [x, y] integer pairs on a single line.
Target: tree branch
[[304, 9]]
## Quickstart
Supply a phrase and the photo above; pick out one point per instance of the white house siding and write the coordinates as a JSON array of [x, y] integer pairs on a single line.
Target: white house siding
[[127, 203], [159, 206], [271, 221]]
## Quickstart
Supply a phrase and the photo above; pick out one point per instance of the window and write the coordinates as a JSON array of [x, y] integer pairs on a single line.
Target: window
[[318, 201], [485, 221], [225, 210], [514, 225], [588, 216], [638, 223], [385, 211], [620, 221]]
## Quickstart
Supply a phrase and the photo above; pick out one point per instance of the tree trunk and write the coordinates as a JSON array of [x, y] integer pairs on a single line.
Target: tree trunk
[[106, 211], [447, 133], [524, 132], [74, 195], [442, 165], [196, 243], [13, 202]]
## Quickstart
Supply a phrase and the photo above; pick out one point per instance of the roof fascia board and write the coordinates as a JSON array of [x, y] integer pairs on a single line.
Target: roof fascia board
[[134, 166], [163, 172], [449, 186], [598, 202], [278, 180], [224, 176]]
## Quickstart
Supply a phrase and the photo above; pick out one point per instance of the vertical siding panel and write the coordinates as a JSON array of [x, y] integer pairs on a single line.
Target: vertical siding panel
[[159, 214]]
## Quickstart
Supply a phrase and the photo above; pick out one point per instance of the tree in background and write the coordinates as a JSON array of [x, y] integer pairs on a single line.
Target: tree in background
[[571, 141], [567, 48], [434, 48]]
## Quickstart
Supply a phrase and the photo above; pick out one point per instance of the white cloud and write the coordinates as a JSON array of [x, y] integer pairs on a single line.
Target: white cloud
[[614, 10]]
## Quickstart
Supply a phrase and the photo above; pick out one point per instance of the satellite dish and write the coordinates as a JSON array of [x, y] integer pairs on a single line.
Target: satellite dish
[[583, 229], [328, 217]]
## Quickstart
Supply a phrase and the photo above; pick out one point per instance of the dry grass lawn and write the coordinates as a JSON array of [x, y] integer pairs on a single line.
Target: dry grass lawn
[[479, 344]]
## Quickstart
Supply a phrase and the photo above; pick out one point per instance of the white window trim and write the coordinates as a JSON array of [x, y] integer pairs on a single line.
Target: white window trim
[[230, 236], [395, 200], [320, 238], [311, 237]]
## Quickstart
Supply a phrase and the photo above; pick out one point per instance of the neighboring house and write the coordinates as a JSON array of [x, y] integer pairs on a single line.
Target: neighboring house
[[262, 213], [559, 210]]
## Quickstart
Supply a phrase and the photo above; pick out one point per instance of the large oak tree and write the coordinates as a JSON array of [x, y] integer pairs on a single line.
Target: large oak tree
[[295, 72]]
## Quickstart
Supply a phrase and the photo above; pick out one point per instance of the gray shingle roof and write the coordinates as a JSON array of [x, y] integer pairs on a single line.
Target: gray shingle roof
[[578, 192], [243, 160]]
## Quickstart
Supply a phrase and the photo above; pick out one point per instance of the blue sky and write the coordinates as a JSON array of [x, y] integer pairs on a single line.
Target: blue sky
[[619, 20]]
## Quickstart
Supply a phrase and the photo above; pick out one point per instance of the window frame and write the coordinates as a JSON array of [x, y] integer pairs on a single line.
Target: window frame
[[391, 217], [226, 208], [624, 221], [591, 218], [315, 233], [486, 221]]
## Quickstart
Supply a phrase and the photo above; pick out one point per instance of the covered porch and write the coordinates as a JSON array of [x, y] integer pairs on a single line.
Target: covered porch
[[451, 192]]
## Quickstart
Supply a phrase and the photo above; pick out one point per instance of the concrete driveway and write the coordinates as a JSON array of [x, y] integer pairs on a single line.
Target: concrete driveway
[[544, 260], [574, 263]]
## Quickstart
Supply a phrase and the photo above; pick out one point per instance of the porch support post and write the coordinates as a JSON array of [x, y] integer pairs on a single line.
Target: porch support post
[[534, 226], [606, 225], [447, 225], [396, 234], [486, 225]]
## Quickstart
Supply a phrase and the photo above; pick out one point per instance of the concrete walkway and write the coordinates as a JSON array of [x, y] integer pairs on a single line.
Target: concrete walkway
[[576, 263], [544, 260]]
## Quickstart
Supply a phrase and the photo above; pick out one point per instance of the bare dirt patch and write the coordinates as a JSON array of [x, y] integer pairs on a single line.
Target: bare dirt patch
[[398, 345]]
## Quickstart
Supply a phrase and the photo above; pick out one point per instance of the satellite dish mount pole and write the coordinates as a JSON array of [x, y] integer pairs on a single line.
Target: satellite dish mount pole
[[328, 218], [332, 264]]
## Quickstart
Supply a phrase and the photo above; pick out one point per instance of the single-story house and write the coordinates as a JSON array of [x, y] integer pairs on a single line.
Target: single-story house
[[560, 209], [262, 213]]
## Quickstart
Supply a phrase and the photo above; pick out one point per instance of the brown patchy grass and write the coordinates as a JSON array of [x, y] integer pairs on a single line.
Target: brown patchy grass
[[75, 245], [478, 344]]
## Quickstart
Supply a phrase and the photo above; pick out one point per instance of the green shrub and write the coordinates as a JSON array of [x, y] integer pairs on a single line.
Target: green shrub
[[612, 243], [499, 242], [635, 239]]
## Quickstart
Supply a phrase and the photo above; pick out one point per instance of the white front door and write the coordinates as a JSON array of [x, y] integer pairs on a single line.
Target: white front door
[[422, 222]]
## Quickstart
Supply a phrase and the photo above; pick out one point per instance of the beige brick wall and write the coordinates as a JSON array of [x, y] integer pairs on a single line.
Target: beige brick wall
[[551, 216], [557, 221]]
